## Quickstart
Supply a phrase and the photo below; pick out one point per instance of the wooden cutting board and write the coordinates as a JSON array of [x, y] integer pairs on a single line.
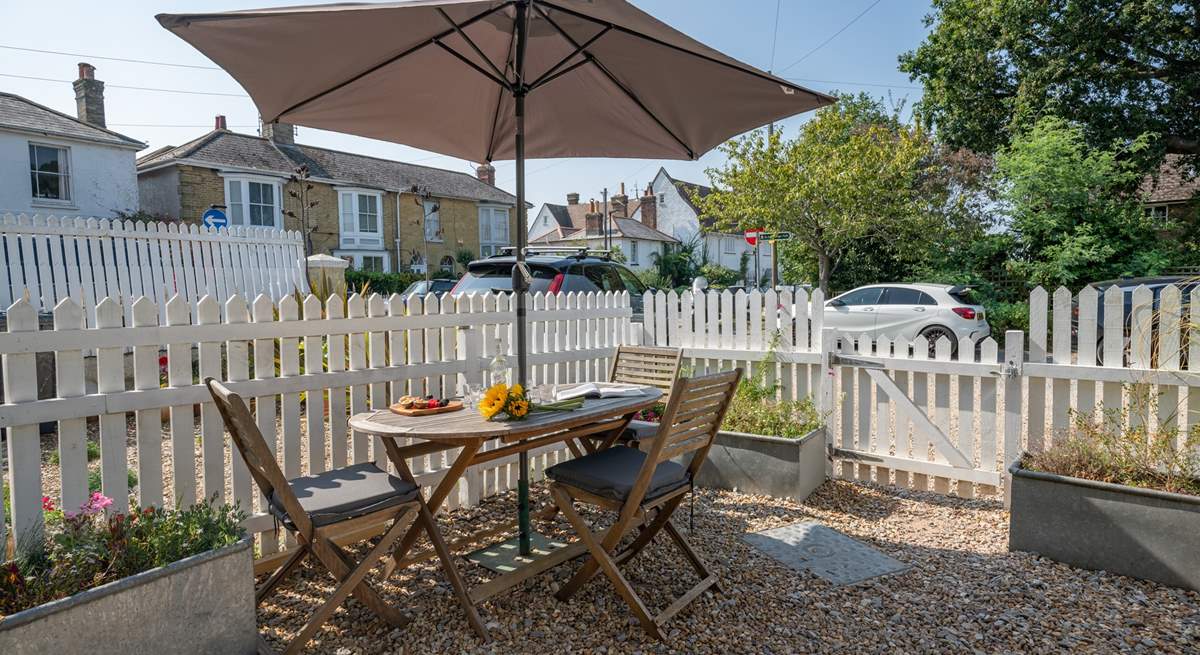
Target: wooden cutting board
[[453, 406]]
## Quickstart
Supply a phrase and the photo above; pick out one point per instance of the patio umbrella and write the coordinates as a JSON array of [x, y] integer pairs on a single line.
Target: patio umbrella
[[495, 79]]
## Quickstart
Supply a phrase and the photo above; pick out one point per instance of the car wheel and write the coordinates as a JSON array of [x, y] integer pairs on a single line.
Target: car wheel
[[935, 332]]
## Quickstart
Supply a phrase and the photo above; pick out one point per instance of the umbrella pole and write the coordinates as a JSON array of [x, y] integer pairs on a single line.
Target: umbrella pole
[[518, 270]]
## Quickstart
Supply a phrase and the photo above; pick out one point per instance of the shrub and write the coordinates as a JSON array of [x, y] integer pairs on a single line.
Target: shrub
[[1108, 449], [86, 549], [386, 284]]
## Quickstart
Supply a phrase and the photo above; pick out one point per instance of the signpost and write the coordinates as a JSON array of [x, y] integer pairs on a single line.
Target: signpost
[[753, 237], [214, 218]]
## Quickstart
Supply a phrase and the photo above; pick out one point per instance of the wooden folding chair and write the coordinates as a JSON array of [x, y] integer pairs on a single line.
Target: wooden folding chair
[[633, 483], [318, 508], [655, 366]]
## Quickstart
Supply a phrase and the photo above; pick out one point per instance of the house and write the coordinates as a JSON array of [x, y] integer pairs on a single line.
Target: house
[[379, 214], [1173, 195], [55, 164], [577, 224], [673, 210]]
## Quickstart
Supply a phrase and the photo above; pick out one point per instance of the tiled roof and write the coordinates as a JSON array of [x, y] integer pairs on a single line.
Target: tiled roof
[[1175, 182], [573, 215], [225, 148], [25, 115], [624, 227]]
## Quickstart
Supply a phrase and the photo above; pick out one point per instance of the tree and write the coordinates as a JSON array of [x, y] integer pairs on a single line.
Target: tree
[[1118, 68], [853, 172], [1069, 221], [464, 257]]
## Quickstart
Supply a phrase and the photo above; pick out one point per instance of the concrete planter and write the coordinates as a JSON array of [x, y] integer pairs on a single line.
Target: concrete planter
[[759, 464], [202, 604], [1141, 533]]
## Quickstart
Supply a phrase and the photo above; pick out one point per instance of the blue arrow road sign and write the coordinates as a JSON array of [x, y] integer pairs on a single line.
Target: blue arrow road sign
[[215, 218]]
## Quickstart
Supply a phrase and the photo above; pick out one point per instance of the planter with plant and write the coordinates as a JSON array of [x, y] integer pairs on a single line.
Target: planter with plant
[[1113, 497], [148, 581], [767, 445]]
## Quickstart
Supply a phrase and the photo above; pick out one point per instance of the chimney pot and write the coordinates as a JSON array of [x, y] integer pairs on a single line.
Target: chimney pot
[[89, 96], [649, 209], [572, 198], [593, 220], [486, 173], [219, 123]]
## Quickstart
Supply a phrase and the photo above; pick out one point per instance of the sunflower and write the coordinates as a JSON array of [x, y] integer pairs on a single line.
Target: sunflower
[[516, 390], [493, 401], [518, 408]]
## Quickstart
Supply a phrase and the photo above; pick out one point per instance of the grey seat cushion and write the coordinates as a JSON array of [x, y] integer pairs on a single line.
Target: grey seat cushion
[[345, 493], [611, 473], [639, 431]]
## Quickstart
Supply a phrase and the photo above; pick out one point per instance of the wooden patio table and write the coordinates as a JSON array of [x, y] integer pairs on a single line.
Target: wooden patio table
[[596, 425]]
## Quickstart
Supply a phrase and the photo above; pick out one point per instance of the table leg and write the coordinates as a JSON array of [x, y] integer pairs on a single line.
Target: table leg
[[523, 527], [440, 492]]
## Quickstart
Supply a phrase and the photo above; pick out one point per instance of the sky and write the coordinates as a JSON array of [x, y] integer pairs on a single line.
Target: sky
[[845, 46]]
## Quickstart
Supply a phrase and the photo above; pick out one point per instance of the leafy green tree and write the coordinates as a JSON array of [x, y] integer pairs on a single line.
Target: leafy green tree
[[853, 171], [1069, 220], [464, 257], [1120, 68]]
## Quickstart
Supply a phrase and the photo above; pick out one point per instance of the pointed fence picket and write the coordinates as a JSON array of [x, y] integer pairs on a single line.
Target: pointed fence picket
[[52, 258]]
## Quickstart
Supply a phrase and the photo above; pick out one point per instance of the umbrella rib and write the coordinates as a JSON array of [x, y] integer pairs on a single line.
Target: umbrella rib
[[471, 43], [504, 84], [748, 71], [508, 59], [391, 60], [550, 73], [546, 80], [612, 78]]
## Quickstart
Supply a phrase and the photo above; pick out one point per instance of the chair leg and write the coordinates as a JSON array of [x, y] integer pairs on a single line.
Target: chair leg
[[351, 582], [693, 557], [605, 562], [456, 581], [649, 531], [280, 573], [364, 592]]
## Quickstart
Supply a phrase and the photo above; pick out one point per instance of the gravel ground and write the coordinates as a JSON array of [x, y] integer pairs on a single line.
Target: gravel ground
[[963, 593]]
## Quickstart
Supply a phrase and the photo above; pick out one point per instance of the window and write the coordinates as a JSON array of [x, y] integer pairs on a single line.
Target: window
[[433, 220], [727, 246], [493, 229], [49, 173], [377, 262], [252, 201], [361, 220], [416, 263], [899, 296], [662, 199], [868, 296], [1158, 214], [633, 252], [447, 264], [371, 263]]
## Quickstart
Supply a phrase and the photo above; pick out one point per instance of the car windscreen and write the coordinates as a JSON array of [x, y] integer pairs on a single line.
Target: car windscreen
[[497, 277]]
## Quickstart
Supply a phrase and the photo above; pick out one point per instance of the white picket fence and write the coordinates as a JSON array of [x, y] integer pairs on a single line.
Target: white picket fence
[[895, 414], [47, 259], [305, 373]]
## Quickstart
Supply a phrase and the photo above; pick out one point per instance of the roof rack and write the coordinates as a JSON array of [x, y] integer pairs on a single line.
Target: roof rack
[[579, 252]]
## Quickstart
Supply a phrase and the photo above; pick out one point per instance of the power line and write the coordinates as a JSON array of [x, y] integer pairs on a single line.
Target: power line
[[775, 34], [879, 84], [166, 125], [834, 36], [130, 61], [134, 88]]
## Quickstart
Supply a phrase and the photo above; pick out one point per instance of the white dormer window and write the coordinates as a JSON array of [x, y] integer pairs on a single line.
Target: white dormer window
[[361, 222], [253, 201]]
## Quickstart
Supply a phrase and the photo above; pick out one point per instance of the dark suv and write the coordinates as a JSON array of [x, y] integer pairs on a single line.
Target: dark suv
[[555, 271], [1156, 285]]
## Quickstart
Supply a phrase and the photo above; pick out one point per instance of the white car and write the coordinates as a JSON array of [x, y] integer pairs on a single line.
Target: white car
[[906, 311]]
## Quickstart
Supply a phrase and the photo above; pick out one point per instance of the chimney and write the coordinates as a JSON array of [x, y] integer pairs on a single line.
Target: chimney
[[89, 96], [593, 220], [620, 204], [572, 198], [486, 173], [649, 209], [219, 123], [281, 133]]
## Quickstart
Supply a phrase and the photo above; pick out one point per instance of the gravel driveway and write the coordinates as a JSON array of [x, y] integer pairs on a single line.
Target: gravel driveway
[[964, 593]]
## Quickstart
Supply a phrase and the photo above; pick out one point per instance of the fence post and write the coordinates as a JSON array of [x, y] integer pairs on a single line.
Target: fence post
[[328, 275], [825, 397], [1014, 357]]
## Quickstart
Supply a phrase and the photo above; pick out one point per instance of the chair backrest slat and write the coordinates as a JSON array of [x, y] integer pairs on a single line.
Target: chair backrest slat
[[255, 452], [649, 365], [705, 400]]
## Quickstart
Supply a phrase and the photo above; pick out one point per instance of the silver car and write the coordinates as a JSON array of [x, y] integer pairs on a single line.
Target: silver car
[[906, 311]]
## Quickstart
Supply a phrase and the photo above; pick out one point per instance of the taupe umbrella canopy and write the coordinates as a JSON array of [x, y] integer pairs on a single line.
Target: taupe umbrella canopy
[[604, 78], [492, 79]]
